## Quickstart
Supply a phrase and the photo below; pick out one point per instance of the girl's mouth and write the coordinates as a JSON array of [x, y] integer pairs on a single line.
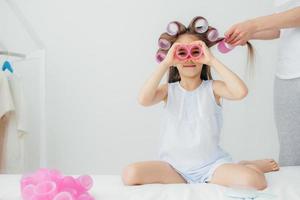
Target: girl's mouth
[[191, 65]]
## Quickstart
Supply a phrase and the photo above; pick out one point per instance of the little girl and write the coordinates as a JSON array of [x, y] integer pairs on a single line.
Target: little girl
[[189, 150]]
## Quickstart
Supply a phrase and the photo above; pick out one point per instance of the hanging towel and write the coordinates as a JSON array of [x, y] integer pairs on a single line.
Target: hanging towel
[[6, 99], [6, 105], [12, 107]]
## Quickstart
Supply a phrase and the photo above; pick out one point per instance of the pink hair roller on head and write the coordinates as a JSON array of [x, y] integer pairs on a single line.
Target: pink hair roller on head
[[164, 44], [184, 52], [160, 56], [212, 34], [47, 184], [172, 28], [201, 25], [224, 47]]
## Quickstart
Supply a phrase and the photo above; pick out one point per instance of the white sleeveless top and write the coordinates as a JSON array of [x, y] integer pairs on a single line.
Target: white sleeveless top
[[191, 127]]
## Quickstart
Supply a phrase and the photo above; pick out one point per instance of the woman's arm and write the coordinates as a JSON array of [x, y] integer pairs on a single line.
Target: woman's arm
[[266, 35], [286, 19], [240, 33]]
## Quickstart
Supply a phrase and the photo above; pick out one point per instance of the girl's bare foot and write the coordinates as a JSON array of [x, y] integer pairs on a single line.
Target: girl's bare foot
[[265, 165]]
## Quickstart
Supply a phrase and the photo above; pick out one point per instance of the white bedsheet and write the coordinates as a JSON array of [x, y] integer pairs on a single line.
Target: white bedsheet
[[285, 185]]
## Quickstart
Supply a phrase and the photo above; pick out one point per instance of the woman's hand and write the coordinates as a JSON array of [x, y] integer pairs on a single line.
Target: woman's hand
[[240, 33], [207, 57]]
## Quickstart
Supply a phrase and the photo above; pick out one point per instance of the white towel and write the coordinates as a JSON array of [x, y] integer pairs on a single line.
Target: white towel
[[12, 102], [6, 99], [16, 88]]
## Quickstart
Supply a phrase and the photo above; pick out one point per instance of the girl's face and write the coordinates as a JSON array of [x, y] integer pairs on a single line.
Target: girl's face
[[188, 68]]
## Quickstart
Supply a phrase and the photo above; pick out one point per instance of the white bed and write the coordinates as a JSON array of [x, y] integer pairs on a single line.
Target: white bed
[[284, 185]]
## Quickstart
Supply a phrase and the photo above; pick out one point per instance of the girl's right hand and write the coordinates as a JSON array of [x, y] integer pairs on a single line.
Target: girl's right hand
[[170, 58]]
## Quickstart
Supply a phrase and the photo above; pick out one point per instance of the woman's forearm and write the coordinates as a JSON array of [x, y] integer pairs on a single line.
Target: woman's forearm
[[149, 89], [286, 19], [266, 35], [235, 86]]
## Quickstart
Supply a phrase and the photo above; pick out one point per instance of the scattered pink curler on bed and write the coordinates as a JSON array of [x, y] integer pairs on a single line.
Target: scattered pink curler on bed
[[184, 52], [224, 47], [212, 34], [47, 184]]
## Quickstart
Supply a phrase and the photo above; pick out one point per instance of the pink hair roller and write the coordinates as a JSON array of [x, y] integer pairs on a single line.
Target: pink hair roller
[[224, 47], [63, 196], [201, 25], [172, 28], [47, 184], [212, 34], [164, 44], [160, 56], [184, 52]]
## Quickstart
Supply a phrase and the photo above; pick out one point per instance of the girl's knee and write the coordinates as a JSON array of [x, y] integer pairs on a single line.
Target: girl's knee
[[255, 181], [130, 175]]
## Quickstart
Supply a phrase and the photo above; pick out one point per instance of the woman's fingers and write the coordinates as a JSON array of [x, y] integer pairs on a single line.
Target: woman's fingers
[[230, 31], [237, 39], [233, 37]]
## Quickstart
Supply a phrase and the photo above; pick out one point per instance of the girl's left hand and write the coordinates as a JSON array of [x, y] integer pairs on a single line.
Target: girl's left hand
[[207, 57]]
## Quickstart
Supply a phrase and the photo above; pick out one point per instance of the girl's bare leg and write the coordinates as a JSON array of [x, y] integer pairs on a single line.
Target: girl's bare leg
[[240, 176], [265, 165], [150, 172]]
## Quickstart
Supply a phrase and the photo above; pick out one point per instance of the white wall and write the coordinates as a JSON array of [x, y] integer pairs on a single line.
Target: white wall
[[99, 54]]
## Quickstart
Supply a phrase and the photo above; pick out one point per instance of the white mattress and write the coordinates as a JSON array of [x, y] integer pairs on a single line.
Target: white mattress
[[284, 185]]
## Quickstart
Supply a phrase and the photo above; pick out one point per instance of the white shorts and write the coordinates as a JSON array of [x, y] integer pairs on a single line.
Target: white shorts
[[203, 174]]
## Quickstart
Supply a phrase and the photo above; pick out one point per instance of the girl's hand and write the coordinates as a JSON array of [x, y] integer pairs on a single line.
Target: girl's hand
[[240, 33], [170, 59], [207, 57]]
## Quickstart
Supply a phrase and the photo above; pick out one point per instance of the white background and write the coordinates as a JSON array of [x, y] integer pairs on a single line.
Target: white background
[[98, 55]]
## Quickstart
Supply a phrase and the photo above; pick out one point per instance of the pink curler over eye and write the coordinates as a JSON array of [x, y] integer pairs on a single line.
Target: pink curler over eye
[[184, 52]]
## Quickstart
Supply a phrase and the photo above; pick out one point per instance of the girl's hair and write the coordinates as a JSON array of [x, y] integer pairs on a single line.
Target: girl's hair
[[173, 75]]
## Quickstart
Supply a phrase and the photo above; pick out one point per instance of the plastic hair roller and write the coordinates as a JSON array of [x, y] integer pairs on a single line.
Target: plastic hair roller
[[212, 34], [47, 184], [201, 25], [164, 44], [184, 52], [173, 28], [160, 55], [224, 47], [165, 41]]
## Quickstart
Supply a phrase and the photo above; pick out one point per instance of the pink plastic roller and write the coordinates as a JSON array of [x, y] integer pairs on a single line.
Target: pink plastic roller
[[201, 25], [212, 34], [224, 47], [184, 52], [173, 28], [160, 55], [164, 44], [47, 184]]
